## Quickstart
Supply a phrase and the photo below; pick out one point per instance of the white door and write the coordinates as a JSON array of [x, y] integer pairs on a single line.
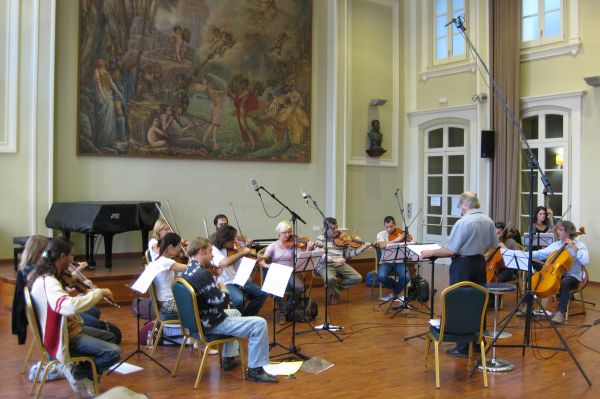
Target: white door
[[445, 179]]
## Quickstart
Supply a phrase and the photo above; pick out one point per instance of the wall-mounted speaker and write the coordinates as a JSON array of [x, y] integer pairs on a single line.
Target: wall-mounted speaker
[[487, 144]]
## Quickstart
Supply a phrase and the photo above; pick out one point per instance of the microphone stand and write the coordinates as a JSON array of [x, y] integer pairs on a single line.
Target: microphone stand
[[529, 298], [405, 303], [292, 350], [326, 326]]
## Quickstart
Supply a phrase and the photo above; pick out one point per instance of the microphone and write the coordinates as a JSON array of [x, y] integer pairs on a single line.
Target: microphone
[[396, 193], [254, 184], [304, 195], [450, 23]]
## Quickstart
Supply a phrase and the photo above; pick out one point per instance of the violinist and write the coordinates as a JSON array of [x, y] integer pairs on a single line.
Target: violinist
[[161, 229], [218, 320], [222, 220], [170, 246], [64, 334], [567, 233], [281, 251], [392, 234], [340, 275], [32, 254], [225, 240]]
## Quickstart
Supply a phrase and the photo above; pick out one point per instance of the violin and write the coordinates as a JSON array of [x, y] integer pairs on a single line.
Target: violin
[[71, 277], [397, 233], [237, 248], [346, 240], [300, 242]]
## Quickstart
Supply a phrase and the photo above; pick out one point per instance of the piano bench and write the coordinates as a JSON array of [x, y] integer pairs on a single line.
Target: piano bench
[[20, 241]]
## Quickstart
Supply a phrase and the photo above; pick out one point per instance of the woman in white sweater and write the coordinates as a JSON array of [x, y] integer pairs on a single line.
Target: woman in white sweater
[[63, 332]]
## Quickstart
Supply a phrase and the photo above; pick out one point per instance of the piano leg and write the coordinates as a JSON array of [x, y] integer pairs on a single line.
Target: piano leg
[[145, 234], [108, 240], [89, 250]]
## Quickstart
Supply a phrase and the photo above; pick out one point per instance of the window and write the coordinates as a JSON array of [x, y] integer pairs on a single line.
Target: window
[[446, 167], [449, 44], [547, 135], [541, 22]]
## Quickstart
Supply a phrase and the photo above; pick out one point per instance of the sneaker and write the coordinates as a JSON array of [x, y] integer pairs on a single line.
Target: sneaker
[[539, 312], [85, 388], [70, 378], [202, 348], [229, 363], [260, 375], [519, 313], [558, 318]]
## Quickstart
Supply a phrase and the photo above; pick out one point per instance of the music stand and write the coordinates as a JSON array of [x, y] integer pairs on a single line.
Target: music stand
[[138, 350], [540, 240], [308, 261]]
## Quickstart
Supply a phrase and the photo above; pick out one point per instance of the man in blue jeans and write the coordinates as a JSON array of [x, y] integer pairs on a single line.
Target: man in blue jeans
[[391, 235], [227, 257], [216, 319]]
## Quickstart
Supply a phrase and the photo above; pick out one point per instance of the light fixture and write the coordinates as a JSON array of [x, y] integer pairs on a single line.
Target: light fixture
[[479, 98], [558, 158], [592, 81], [376, 102]]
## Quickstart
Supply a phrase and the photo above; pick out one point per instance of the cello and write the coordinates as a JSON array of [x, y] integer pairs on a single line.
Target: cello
[[493, 263], [546, 282]]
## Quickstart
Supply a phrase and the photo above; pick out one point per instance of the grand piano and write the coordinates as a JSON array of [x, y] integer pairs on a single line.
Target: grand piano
[[105, 218]]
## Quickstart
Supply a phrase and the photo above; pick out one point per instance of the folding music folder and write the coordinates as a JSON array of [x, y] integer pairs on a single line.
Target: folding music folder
[[397, 252], [308, 260], [515, 259], [540, 240]]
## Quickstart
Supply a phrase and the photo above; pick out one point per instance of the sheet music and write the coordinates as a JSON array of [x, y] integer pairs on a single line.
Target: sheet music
[[394, 252], [539, 239], [515, 259], [277, 279], [418, 249], [143, 282], [244, 271], [308, 260]]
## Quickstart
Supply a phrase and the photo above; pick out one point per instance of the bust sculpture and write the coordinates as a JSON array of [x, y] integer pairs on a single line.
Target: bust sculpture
[[375, 138]]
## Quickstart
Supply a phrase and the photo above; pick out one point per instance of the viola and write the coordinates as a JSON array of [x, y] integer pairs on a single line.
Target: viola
[[546, 282], [71, 277], [397, 233], [493, 263]]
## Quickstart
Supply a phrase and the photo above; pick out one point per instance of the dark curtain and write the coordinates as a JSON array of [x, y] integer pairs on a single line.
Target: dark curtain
[[505, 37]]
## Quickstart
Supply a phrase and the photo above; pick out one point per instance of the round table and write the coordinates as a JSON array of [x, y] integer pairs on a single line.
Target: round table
[[495, 365]]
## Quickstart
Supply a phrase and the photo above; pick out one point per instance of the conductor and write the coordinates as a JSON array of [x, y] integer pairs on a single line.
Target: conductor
[[470, 237]]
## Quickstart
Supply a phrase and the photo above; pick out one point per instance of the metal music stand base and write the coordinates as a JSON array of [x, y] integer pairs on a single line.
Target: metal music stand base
[[139, 350]]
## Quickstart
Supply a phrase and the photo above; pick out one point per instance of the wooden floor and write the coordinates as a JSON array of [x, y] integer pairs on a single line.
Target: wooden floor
[[372, 361]]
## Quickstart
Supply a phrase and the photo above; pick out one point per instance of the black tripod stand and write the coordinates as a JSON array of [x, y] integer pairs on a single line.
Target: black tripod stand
[[292, 349], [529, 298], [326, 326], [138, 350]]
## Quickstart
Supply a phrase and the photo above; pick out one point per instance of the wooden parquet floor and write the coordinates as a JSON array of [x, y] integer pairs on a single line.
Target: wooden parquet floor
[[373, 361]]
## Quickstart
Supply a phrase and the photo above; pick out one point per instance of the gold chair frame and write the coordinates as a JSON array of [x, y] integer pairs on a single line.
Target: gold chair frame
[[202, 341], [159, 324], [44, 357], [430, 337]]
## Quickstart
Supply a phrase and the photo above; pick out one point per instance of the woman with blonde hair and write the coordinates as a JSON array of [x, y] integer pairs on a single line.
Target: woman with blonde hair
[[282, 252]]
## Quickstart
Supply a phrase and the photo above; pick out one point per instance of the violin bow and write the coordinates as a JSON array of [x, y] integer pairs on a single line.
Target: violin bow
[[205, 227], [236, 219], [163, 216], [173, 218]]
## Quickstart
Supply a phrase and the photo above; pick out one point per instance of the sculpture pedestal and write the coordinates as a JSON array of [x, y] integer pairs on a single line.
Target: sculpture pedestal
[[375, 152]]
